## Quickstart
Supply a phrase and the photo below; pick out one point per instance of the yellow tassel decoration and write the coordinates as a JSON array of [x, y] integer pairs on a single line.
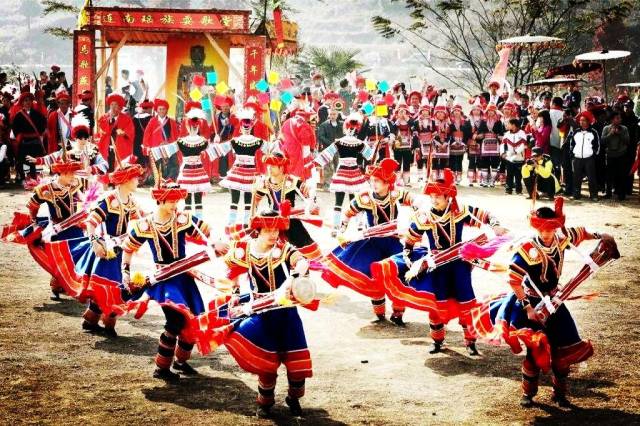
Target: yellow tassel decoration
[[138, 279]]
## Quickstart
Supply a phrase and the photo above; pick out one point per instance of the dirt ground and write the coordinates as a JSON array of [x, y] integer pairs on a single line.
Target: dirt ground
[[364, 373]]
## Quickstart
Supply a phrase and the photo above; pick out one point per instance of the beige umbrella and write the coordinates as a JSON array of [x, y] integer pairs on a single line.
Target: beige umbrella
[[628, 85], [531, 42], [553, 81], [603, 56]]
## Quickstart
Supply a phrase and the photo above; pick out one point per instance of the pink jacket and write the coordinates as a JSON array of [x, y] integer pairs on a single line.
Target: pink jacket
[[543, 138]]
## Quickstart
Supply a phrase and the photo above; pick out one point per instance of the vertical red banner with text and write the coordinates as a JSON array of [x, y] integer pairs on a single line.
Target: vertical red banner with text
[[84, 62], [254, 52]]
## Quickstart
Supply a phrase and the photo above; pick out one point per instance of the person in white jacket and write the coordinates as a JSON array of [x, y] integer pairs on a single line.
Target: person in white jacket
[[514, 144]]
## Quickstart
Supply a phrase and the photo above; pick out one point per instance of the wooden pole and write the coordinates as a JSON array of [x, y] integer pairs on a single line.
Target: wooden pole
[[224, 56], [102, 81], [114, 71], [160, 89], [113, 56]]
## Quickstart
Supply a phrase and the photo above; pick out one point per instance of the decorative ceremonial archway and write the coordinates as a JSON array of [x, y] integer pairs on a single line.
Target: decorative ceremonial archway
[[216, 30]]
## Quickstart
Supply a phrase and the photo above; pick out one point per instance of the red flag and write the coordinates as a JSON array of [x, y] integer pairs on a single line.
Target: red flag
[[277, 24]]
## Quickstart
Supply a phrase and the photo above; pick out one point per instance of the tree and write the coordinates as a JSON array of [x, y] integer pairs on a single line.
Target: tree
[[621, 33], [30, 9], [334, 63], [53, 7], [464, 34]]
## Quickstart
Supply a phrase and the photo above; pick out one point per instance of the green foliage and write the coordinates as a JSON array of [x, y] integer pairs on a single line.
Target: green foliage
[[333, 63], [54, 6], [60, 32], [464, 34]]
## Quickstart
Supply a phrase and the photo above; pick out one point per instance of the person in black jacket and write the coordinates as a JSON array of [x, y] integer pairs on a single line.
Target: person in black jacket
[[28, 125], [327, 133], [140, 122], [615, 142], [630, 121]]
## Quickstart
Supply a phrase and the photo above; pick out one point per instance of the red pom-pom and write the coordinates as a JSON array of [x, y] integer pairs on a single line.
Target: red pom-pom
[[449, 177], [389, 165], [132, 159], [389, 100], [198, 80]]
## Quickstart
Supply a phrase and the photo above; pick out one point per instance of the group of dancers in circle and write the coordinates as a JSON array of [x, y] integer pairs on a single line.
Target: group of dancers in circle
[[87, 243]]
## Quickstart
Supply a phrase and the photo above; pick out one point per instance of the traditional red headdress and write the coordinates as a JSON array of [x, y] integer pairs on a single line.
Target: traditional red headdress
[[425, 105], [191, 105], [490, 108], [25, 95], [80, 123], [445, 187], [330, 96], [385, 170], [146, 104], [549, 224], [168, 191], [307, 115], [87, 95], [441, 107], [254, 106], [476, 104], [588, 115], [401, 104], [115, 97], [510, 105], [221, 101], [622, 99], [275, 159], [63, 96], [126, 171], [415, 94], [157, 103], [63, 166], [352, 124], [280, 221]]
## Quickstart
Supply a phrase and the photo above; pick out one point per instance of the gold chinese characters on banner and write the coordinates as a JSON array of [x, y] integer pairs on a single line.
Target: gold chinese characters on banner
[[192, 20], [83, 58]]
